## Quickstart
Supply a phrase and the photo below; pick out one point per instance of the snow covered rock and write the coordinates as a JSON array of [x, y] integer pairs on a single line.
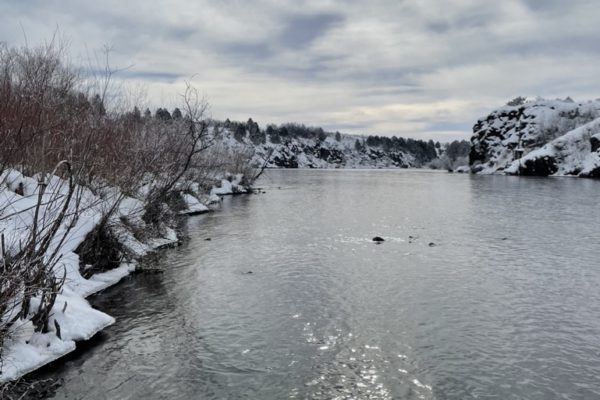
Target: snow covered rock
[[538, 138], [463, 169], [193, 205], [303, 152], [569, 154], [232, 185]]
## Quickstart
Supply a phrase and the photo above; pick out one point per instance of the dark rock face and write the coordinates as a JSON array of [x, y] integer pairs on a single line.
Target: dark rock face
[[309, 155], [595, 142], [595, 173], [332, 156], [542, 166], [285, 162]]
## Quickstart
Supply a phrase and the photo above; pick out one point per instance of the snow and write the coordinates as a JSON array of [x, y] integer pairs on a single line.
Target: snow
[[536, 129], [229, 186], [25, 350], [312, 153], [193, 205], [571, 152], [28, 351]]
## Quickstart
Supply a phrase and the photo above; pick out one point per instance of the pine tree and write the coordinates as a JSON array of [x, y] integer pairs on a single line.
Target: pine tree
[[357, 145], [177, 113]]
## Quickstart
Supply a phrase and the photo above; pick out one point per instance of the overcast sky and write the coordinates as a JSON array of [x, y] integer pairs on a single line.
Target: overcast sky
[[423, 69]]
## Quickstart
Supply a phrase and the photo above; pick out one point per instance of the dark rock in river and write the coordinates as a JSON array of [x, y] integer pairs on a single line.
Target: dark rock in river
[[378, 239]]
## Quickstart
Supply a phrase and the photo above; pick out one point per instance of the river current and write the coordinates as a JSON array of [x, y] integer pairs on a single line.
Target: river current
[[486, 287]]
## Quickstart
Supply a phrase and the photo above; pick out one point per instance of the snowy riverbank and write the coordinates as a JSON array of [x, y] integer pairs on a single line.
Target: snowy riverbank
[[71, 318]]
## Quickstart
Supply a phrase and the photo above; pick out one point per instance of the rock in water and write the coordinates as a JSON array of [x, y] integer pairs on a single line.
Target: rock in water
[[378, 239]]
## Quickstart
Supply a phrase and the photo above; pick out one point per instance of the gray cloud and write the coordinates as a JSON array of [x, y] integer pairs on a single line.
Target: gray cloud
[[423, 69], [302, 30]]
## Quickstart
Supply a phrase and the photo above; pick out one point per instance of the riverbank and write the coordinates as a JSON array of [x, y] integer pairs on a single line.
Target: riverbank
[[71, 318], [327, 313]]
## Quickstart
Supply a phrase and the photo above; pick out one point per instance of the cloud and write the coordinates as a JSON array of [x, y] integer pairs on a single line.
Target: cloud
[[421, 69], [302, 30]]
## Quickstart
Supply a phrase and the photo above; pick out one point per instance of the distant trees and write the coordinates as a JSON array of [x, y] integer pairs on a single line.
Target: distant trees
[[423, 151], [358, 145], [458, 149], [454, 155], [177, 113], [162, 114], [239, 132], [273, 134], [257, 136]]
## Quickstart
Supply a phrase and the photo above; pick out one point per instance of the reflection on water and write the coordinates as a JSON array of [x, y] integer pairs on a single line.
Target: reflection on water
[[486, 287]]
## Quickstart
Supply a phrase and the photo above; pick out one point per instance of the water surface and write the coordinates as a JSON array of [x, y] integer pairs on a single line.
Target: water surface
[[487, 287]]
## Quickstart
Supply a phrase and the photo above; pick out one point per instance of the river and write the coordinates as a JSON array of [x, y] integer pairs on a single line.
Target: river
[[486, 287]]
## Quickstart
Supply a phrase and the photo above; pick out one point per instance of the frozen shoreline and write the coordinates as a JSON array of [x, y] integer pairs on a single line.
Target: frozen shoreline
[[72, 318]]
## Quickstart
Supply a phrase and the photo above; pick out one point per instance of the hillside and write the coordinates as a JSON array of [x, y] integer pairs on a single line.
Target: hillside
[[297, 146], [542, 137]]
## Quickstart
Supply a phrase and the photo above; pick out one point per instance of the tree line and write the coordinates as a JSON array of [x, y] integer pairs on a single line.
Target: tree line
[[424, 151]]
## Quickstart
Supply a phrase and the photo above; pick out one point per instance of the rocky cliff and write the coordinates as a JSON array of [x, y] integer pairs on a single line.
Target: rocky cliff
[[331, 151], [543, 137]]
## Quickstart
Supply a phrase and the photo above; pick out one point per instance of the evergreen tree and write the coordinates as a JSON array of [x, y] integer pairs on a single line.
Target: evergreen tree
[[163, 114], [358, 146], [177, 113], [240, 132], [137, 115], [338, 137]]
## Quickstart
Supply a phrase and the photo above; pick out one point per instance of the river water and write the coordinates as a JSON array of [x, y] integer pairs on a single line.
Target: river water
[[487, 287]]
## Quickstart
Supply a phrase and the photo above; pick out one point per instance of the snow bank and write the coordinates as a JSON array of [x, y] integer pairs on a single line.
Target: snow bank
[[229, 186], [72, 318], [193, 205]]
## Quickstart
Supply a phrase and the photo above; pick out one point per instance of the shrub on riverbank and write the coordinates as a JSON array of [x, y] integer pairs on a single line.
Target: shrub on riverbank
[[71, 168]]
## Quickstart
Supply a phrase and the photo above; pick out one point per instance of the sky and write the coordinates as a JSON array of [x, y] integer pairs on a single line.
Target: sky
[[426, 69]]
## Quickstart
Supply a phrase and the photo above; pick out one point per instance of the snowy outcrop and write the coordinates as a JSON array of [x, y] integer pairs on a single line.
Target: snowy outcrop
[[570, 154], [558, 137], [315, 153]]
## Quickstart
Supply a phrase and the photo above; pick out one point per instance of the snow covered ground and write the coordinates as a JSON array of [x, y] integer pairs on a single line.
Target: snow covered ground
[[72, 318]]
